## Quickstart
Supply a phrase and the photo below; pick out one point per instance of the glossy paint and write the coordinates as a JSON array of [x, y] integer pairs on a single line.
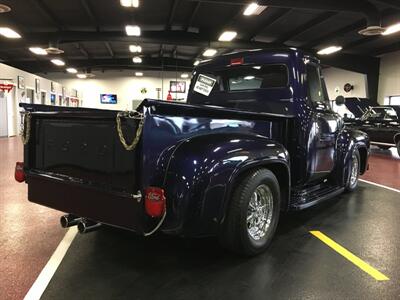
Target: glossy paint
[[197, 152]]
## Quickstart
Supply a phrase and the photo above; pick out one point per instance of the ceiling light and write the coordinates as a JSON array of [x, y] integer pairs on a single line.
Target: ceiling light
[[209, 52], [135, 49], [249, 77], [58, 62], [139, 74], [129, 3], [72, 70], [196, 63], [227, 36], [254, 9], [9, 33], [38, 50], [329, 50], [392, 29], [185, 75], [132, 30], [81, 76], [137, 60]]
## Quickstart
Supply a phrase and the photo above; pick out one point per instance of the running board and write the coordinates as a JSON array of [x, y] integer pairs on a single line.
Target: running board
[[316, 198]]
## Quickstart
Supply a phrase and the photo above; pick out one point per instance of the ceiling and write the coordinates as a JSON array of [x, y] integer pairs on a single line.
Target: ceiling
[[176, 32]]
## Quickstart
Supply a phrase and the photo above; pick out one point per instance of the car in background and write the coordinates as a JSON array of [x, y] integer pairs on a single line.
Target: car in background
[[382, 124]]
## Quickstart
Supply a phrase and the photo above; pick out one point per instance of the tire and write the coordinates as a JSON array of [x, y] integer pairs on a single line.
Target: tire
[[354, 166], [384, 147], [398, 147], [237, 233]]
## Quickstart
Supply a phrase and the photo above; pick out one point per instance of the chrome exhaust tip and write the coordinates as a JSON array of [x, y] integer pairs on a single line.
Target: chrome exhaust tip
[[69, 220], [88, 226]]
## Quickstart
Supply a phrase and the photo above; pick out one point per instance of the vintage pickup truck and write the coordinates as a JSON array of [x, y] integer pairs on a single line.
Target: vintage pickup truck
[[256, 138], [382, 124]]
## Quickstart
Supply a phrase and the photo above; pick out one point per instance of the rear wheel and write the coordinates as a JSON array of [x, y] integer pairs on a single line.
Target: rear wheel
[[253, 214], [398, 147], [354, 171]]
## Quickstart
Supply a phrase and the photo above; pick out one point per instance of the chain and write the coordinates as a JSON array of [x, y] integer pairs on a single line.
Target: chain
[[131, 115], [25, 127]]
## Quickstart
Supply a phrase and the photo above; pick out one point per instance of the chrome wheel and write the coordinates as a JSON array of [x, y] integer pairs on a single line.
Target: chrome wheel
[[354, 170], [259, 212]]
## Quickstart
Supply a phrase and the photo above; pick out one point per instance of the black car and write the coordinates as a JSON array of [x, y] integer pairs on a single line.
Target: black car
[[382, 124]]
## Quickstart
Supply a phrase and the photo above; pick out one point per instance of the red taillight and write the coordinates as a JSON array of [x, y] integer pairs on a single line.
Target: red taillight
[[237, 61], [154, 201], [19, 172]]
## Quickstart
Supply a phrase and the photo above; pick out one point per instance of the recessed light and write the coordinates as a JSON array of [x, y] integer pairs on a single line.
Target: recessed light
[[253, 9], [129, 3], [9, 33], [72, 70], [38, 50], [137, 60], [227, 36], [196, 63], [132, 30], [58, 62], [209, 52], [135, 48], [392, 29], [329, 50], [185, 75], [138, 74], [81, 76]]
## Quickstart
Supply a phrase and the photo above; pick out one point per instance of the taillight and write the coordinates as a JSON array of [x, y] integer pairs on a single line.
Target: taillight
[[154, 201], [19, 172]]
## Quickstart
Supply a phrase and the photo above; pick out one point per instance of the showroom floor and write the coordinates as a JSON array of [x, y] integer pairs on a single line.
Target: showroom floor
[[115, 264]]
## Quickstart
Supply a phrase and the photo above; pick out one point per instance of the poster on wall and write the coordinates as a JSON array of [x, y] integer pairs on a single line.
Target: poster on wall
[[37, 85], [177, 86], [21, 82], [74, 93], [52, 87]]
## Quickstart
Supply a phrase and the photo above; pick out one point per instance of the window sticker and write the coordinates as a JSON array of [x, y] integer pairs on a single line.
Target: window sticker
[[204, 85]]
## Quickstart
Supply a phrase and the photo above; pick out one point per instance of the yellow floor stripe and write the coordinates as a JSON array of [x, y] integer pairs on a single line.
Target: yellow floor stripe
[[350, 256]]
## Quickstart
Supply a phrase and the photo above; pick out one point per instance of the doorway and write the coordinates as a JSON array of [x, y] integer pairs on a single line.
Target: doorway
[[3, 115], [43, 98], [30, 96]]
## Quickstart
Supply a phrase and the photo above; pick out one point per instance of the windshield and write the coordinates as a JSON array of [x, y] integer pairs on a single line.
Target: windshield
[[380, 113]]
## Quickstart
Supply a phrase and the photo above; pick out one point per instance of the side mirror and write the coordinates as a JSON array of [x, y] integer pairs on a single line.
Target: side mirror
[[340, 100]]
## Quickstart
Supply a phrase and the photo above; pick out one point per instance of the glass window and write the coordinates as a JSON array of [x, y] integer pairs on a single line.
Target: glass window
[[256, 77], [315, 88], [394, 100]]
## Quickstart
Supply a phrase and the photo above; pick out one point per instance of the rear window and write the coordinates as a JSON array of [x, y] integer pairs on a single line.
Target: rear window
[[256, 77]]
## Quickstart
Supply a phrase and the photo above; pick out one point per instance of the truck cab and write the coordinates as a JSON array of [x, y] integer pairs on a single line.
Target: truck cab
[[257, 138], [286, 82]]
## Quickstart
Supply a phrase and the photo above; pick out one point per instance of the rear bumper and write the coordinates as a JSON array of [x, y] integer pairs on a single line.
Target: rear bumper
[[107, 207]]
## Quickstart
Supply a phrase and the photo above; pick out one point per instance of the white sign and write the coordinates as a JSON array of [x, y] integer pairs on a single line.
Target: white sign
[[204, 85]]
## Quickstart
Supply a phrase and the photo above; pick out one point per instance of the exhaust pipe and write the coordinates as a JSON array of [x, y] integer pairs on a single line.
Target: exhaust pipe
[[69, 220], [85, 226]]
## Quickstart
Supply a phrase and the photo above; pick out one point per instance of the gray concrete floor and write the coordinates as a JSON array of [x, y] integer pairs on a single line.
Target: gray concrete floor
[[115, 264]]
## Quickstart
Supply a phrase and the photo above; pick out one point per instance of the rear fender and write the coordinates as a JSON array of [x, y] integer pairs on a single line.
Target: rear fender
[[202, 172], [347, 141]]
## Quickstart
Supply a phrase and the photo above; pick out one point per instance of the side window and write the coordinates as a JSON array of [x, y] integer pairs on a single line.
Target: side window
[[315, 88]]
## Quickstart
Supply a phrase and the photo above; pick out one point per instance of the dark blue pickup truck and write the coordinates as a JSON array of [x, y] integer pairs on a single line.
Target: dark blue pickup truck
[[256, 138]]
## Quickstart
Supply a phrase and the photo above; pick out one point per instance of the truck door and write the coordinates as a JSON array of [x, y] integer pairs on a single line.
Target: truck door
[[325, 126]]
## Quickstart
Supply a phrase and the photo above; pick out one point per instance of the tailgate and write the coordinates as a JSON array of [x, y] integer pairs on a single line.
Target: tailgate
[[75, 162]]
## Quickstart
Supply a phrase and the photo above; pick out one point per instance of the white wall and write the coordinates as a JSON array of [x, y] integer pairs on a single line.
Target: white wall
[[19, 95], [336, 79], [125, 85], [389, 76]]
